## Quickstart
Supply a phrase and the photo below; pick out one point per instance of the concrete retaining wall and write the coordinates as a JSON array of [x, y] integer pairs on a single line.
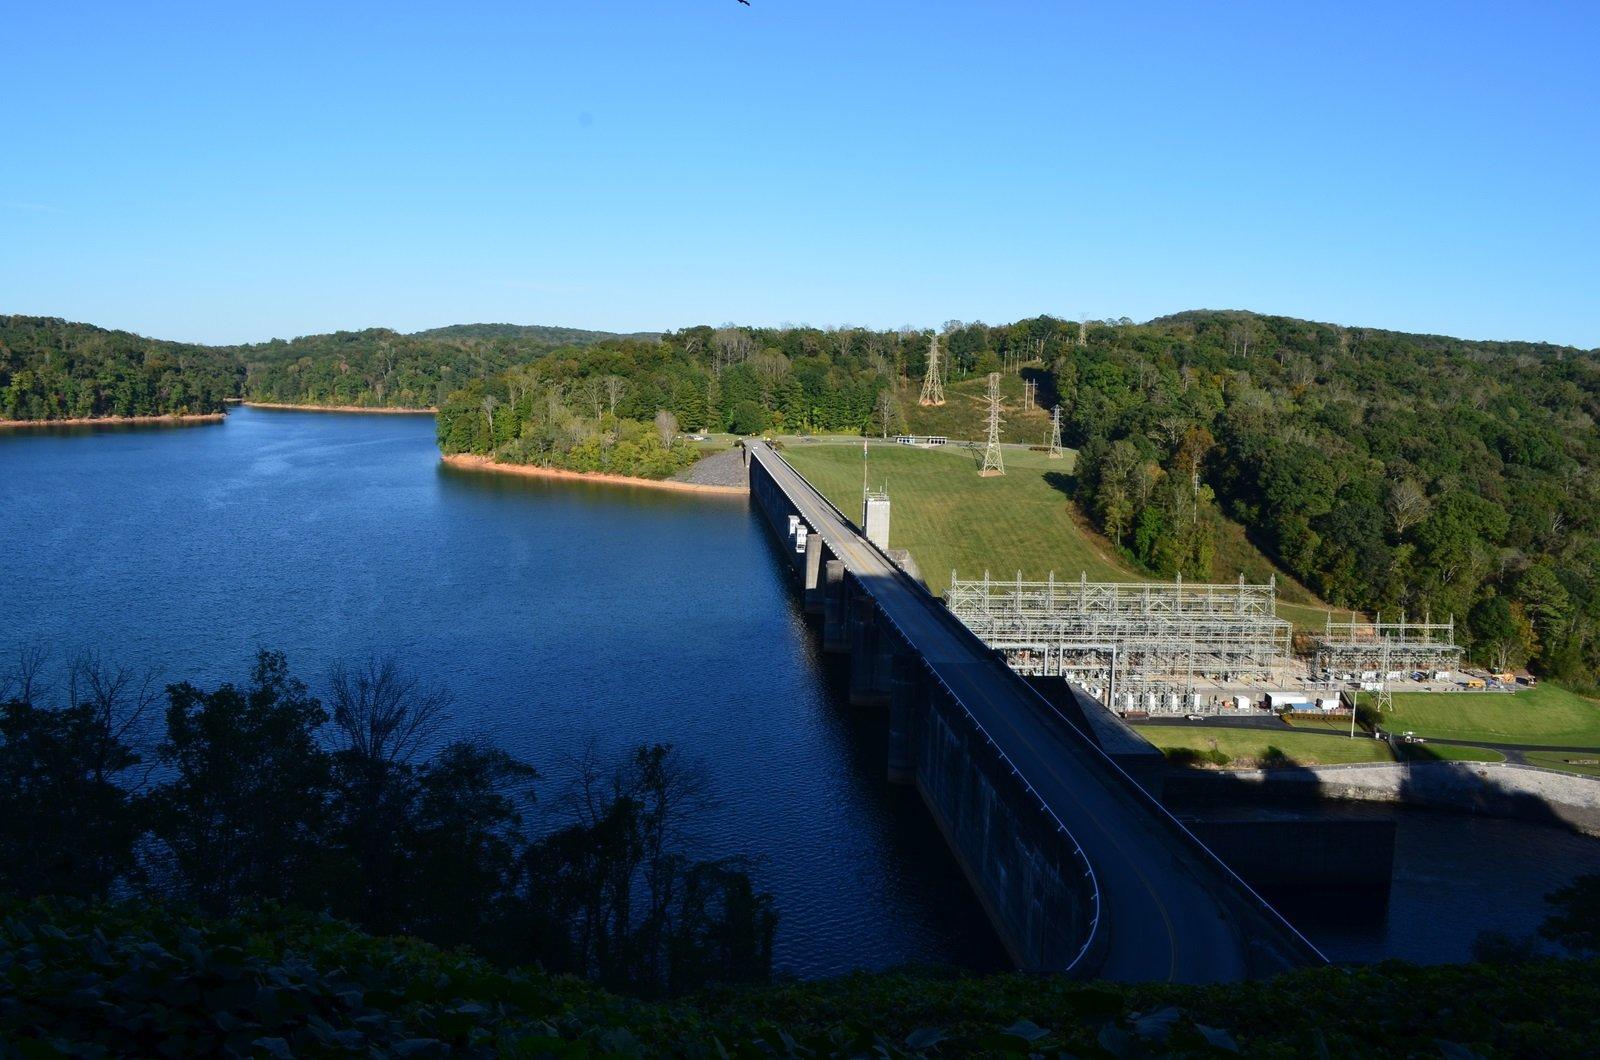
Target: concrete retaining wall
[[1495, 789]]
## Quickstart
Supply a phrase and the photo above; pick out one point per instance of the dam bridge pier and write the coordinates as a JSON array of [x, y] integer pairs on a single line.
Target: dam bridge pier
[[1013, 793]]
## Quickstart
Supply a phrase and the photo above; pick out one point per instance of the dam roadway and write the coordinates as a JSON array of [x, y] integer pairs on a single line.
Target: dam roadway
[[1169, 910]]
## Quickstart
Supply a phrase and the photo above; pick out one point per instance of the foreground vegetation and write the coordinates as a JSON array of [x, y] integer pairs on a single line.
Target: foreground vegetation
[[1546, 715], [115, 981], [256, 793]]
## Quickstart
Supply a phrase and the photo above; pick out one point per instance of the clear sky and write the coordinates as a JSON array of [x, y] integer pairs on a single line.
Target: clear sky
[[225, 172]]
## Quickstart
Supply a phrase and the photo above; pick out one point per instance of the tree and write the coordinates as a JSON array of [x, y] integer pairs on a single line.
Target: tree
[[623, 904], [615, 386], [67, 827], [666, 427], [383, 718], [1407, 505], [888, 411], [243, 814]]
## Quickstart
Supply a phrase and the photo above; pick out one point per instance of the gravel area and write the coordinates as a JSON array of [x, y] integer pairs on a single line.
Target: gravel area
[[719, 469]]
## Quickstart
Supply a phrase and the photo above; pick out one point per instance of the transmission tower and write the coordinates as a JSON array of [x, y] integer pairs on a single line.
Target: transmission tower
[[993, 464], [932, 380], [1083, 331], [1055, 433], [1030, 390]]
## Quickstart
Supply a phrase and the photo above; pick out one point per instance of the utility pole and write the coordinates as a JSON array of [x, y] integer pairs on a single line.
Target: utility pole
[[1029, 390], [932, 381], [1055, 434], [993, 463]]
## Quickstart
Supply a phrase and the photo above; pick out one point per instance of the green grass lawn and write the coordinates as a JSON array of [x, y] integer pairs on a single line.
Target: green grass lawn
[[1321, 723], [1546, 715], [949, 517], [1253, 747], [1443, 752], [1581, 762]]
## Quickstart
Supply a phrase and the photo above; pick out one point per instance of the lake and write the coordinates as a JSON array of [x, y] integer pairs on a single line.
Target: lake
[[559, 613]]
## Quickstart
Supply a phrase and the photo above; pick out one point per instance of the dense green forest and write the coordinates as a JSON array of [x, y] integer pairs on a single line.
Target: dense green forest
[[381, 368], [140, 981], [1387, 472], [53, 370], [618, 405], [358, 804]]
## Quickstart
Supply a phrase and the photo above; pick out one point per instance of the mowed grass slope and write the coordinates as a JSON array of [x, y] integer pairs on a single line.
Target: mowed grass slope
[[1545, 716], [948, 517], [1246, 748], [965, 413]]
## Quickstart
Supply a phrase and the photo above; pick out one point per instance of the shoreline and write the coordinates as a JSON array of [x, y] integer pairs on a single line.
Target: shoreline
[[337, 408], [473, 462], [112, 421]]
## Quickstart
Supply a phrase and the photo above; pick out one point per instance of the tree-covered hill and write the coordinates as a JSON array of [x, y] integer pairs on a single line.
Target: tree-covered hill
[[51, 369], [539, 333], [121, 981], [590, 409], [1386, 471], [381, 368]]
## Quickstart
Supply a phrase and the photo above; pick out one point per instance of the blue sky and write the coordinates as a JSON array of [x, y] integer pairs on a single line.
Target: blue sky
[[206, 173]]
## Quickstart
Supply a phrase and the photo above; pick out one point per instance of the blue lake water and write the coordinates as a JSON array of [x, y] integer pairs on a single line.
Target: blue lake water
[[558, 613]]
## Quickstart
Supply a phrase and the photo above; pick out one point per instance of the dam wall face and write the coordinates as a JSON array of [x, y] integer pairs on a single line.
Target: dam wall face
[[1027, 872]]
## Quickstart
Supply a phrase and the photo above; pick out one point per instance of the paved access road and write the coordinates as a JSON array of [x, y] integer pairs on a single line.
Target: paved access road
[[1162, 900]]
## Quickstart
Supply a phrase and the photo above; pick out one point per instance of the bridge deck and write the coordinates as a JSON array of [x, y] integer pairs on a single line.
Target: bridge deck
[[1167, 905]]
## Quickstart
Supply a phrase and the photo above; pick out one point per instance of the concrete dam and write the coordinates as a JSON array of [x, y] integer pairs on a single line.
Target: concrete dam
[[1077, 866]]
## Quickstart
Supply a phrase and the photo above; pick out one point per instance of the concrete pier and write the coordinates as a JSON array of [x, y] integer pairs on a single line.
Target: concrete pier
[[1078, 868], [835, 608], [865, 689], [812, 586], [904, 698]]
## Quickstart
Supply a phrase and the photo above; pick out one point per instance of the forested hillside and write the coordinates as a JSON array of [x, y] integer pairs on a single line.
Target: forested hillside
[[381, 368], [618, 405], [54, 370], [1386, 471]]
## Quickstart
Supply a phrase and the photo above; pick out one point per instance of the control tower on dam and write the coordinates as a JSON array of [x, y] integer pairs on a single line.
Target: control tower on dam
[[1077, 866]]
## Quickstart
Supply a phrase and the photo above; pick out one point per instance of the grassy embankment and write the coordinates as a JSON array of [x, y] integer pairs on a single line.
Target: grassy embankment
[[1544, 716], [141, 981], [1250, 748], [949, 517]]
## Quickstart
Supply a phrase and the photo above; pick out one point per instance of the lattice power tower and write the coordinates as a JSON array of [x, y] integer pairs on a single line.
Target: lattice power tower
[[1055, 434], [932, 380], [993, 462]]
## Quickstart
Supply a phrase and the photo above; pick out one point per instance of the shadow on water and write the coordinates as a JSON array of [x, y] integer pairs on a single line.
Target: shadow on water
[[909, 842], [1467, 852]]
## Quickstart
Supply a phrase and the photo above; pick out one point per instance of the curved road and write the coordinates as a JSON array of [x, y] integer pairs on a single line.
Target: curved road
[[1171, 910]]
